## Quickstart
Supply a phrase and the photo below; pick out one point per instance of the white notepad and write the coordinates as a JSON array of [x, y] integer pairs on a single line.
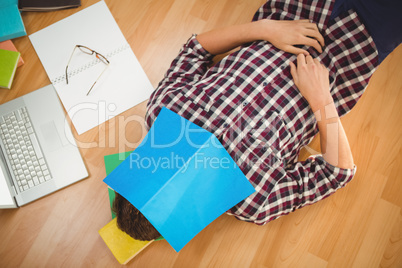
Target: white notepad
[[124, 83]]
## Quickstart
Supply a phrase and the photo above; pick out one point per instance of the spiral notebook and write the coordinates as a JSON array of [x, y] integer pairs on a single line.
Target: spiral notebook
[[123, 84]]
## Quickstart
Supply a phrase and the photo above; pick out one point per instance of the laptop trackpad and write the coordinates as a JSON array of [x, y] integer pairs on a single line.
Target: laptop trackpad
[[51, 136]]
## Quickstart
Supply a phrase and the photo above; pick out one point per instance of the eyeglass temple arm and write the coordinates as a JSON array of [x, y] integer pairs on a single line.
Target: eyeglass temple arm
[[69, 63], [97, 79]]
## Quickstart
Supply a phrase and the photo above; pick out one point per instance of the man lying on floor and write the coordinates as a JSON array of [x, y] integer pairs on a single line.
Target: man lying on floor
[[261, 115]]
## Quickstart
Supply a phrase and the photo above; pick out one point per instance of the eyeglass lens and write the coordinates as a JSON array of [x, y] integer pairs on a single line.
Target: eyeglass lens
[[102, 58], [86, 50], [90, 52]]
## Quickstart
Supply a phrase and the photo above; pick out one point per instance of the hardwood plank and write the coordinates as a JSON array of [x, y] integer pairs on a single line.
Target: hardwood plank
[[392, 256], [383, 217]]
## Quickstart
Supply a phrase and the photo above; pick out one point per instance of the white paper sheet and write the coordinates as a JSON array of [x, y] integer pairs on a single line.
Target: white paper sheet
[[124, 83]]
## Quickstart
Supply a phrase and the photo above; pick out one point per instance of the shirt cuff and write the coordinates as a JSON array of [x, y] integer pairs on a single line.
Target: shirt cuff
[[345, 174], [198, 49]]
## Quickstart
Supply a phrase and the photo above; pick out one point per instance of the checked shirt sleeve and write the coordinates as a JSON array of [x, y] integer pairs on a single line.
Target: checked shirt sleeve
[[305, 183], [186, 69]]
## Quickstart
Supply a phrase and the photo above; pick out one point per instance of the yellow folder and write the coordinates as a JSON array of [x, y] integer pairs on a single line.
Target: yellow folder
[[123, 246]]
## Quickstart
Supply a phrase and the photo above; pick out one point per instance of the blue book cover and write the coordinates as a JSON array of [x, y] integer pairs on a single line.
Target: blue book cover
[[11, 24], [180, 177]]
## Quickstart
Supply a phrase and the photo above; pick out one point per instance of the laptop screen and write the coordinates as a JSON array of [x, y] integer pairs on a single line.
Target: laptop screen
[[6, 200]]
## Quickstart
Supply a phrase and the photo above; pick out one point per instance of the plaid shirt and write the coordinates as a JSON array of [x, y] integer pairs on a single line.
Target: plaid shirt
[[250, 102]]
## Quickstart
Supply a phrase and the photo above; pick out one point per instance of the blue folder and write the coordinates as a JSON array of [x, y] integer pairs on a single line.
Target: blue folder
[[180, 177], [11, 24]]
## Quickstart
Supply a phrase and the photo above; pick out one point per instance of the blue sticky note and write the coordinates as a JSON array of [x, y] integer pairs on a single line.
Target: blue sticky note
[[11, 24], [180, 177]]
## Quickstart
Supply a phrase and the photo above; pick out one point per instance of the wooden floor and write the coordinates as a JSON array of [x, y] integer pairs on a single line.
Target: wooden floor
[[359, 226]]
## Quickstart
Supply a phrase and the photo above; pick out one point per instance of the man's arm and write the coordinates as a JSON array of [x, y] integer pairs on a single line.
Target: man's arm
[[282, 34], [305, 182], [311, 77]]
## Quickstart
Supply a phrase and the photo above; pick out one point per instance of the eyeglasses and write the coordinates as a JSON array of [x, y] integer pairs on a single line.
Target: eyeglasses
[[89, 51]]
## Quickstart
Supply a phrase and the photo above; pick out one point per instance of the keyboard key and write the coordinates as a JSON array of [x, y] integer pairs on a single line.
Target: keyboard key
[[18, 115], [36, 145]]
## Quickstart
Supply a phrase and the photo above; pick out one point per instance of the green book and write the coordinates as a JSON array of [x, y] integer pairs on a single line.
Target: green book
[[8, 66], [111, 162]]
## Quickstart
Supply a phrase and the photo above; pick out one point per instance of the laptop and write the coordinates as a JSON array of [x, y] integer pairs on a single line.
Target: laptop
[[38, 152]]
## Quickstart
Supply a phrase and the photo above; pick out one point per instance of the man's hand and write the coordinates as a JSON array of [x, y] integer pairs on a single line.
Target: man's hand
[[312, 79], [284, 34]]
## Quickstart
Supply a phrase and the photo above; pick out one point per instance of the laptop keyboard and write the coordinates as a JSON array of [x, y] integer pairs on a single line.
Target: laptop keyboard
[[22, 149]]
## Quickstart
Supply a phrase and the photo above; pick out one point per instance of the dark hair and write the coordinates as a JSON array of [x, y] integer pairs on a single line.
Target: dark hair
[[131, 220]]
